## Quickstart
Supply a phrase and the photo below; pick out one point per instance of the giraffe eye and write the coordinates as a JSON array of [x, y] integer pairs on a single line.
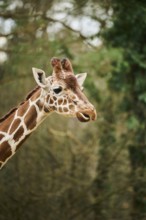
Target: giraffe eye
[[57, 90]]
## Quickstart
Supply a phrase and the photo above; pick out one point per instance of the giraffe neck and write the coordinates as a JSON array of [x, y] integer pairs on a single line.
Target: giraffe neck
[[20, 123]]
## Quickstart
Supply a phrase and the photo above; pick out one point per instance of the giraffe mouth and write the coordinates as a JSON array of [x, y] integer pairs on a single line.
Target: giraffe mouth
[[83, 117]]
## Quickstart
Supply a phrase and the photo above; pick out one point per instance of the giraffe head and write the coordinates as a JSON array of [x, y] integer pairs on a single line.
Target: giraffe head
[[63, 91]]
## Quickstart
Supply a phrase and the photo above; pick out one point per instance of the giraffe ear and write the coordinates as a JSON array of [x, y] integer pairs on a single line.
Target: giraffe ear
[[81, 78], [40, 77]]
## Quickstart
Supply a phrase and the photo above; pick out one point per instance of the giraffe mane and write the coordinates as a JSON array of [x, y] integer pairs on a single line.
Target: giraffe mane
[[29, 95], [8, 114]]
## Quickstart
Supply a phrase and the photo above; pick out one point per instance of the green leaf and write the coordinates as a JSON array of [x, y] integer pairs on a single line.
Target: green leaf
[[142, 97], [132, 123]]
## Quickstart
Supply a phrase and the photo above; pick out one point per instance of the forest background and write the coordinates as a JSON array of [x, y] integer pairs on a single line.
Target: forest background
[[68, 170]]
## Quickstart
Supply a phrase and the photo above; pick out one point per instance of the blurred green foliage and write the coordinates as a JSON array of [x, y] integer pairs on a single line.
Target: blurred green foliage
[[68, 170]]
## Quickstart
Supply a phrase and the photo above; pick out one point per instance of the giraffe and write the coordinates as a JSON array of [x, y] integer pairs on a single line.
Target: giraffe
[[61, 93]]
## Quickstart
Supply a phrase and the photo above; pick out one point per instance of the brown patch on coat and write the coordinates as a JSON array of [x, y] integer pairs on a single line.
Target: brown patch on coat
[[53, 108], [8, 120], [15, 124], [5, 151], [46, 110], [65, 102], [73, 97], [65, 109], [1, 136], [18, 134], [22, 109], [72, 107], [51, 101], [40, 105], [30, 118], [60, 101]]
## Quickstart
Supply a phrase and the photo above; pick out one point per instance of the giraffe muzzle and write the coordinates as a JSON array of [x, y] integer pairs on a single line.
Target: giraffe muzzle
[[87, 115]]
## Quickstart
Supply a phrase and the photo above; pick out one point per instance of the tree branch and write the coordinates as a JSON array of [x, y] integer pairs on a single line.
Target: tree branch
[[69, 27], [5, 50], [45, 17], [6, 35], [83, 37]]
